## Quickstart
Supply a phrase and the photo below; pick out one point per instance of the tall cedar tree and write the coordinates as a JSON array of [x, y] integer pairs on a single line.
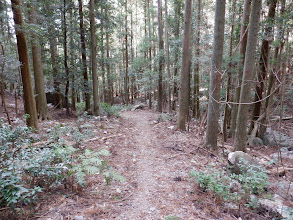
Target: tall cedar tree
[[263, 64], [94, 57], [83, 56], [28, 94], [229, 74], [65, 58], [196, 106], [185, 68], [126, 80], [242, 50], [215, 77], [168, 56], [41, 100], [242, 116], [161, 58]]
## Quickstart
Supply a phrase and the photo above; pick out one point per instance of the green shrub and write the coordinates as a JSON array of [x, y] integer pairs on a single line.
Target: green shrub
[[215, 181], [92, 162], [164, 117], [110, 110], [253, 181], [26, 170]]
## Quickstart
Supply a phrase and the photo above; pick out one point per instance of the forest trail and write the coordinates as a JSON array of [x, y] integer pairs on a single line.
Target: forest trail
[[158, 192]]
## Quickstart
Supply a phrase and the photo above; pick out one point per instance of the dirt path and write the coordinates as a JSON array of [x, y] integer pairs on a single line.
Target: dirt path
[[157, 194], [154, 159]]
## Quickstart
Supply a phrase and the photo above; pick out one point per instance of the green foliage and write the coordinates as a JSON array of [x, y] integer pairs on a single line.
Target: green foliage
[[110, 110], [253, 181], [172, 217], [27, 170], [215, 181], [80, 108], [164, 117]]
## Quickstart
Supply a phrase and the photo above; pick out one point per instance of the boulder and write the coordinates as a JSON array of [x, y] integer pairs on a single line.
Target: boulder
[[139, 106], [283, 189], [239, 162], [276, 206], [255, 142], [274, 138], [286, 153]]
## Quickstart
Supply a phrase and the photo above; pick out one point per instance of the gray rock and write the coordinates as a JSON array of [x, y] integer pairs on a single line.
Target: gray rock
[[284, 189], [256, 142], [274, 138], [286, 153], [276, 206], [78, 217], [139, 106], [240, 161]]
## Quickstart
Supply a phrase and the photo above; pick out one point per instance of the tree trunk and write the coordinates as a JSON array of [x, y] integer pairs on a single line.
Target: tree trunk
[[55, 70], [132, 56], [83, 55], [161, 58], [2, 83], [263, 64], [168, 56], [227, 110], [103, 61], [28, 94], [126, 80], [150, 51], [215, 77], [275, 71], [109, 77], [176, 58], [185, 68], [65, 58], [242, 116], [242, 50], [72, 63], [94, 57], [196, 106], [41, 99]]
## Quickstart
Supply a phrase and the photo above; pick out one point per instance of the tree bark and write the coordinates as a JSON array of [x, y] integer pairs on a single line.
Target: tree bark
[[176, 58], [242, 50], [150, 51], [41, 100], [109, 77], [275, 71], [28, 94], [126, 80], [215, 77], [263, 64], [196, 106], [229, 74], [72, 62], [2, 84], [168, 57], [185, 68], [65, 58], [94, 57], [83, 55], [55, 69], [242, 116], [161, 58]]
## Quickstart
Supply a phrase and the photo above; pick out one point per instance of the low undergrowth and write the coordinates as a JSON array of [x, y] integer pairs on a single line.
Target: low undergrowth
[[29, 169], [233, 188]]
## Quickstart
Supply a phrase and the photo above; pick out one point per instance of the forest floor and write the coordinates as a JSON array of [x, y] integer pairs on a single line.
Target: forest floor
[[156, 159]]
